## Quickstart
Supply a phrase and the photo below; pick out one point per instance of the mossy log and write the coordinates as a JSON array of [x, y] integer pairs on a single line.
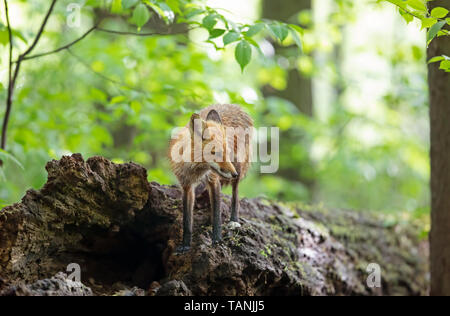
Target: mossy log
[[122, 231]]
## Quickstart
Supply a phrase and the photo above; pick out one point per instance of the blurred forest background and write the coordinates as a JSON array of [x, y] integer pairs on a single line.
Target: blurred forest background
[[352, 105]]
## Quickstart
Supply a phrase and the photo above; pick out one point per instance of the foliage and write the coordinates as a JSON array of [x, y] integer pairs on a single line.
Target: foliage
[[196, 14], [434, 20]]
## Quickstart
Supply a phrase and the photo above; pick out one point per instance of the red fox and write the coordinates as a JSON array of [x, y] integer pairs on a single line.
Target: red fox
[[216, 149]]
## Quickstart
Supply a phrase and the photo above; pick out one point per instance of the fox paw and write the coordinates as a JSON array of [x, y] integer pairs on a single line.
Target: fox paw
[[216, 241]]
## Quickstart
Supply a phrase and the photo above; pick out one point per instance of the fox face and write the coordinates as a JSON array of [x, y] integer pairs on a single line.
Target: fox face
[[210, 144]]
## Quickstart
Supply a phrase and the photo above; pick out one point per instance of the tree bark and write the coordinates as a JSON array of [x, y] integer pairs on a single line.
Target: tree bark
[[439, 86], [122, 232]]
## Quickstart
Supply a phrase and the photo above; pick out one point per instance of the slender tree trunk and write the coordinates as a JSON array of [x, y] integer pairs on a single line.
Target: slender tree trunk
[[12, 78], [439, 83]]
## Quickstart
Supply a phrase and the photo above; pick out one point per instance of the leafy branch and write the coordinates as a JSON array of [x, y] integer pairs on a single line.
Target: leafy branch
[[67, 46], [217, 25], [144, 34], [171, 12], [97, 28], [435, 21]]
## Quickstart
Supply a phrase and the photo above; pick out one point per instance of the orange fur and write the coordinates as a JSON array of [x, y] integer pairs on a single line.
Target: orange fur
[[191, 173], [211, 130]]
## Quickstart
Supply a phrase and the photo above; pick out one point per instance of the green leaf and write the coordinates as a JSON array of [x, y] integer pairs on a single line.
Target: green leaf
[[297, 28], [116, 6], [4, 35], [193, 12], [230, 37], [255, 29], [127, 4], [224, 20], [436, 59], [136, 106], [405, 15], [296, 37], [243, 54], [428, 22], [163, 11], [417, 4], [216, 33], [445, 65], [117, 99], [209, 21], [175, 6], [279, 30], [439, 12], [252, 42], [168, 14], [434, 30], [141, 15], [399, 3]]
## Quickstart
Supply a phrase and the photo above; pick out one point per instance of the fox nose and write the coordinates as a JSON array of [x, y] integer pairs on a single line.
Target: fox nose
[[234, 174]]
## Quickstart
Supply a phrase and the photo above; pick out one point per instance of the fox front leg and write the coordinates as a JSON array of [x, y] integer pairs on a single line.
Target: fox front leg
[[235, 201], [214, 189], [188, 207], [235, 197]]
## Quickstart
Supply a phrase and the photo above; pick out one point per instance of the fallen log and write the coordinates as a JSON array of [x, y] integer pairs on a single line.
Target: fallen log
[[122, 231]]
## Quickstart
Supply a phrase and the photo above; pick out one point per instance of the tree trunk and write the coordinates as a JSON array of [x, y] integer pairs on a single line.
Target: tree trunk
[[122, 232], [439, 83]]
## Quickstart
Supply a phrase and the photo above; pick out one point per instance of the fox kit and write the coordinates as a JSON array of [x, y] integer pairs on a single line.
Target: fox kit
[[214, 148]]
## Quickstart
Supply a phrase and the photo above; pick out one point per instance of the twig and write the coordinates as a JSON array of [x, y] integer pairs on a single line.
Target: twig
[[41, 29], [96, 28], [10, 41], [415, 14], [141, 34], [12, 80], [62, 47], [8, 106]]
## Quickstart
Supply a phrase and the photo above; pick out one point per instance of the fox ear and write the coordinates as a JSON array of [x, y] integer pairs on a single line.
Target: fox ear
[[196, 124], [214, 116]]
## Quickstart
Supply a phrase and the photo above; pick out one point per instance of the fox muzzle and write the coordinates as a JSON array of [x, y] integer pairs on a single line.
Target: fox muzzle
[[224, 173]]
